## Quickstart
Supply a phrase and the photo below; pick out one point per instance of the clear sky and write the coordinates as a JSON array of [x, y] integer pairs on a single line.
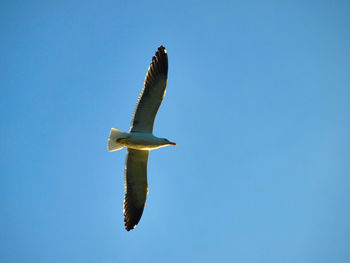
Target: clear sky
[[258, 101]]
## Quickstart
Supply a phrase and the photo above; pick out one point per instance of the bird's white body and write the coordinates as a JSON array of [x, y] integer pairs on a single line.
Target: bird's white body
[[144, 141], [135, 140]]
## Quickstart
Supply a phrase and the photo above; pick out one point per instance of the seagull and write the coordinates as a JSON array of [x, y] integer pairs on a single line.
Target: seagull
[[140, 139]]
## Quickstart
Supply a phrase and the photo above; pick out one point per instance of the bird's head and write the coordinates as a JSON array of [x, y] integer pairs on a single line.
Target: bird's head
[[167, 142]]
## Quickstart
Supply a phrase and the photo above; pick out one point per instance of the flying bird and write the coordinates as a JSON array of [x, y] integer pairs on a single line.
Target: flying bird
[[140, 139]]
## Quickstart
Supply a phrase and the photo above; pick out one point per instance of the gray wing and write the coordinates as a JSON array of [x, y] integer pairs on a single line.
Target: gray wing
[[152, 94], [136, 187]]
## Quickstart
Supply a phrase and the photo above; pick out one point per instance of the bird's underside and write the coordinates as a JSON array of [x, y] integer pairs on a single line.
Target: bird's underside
[[136, 188]]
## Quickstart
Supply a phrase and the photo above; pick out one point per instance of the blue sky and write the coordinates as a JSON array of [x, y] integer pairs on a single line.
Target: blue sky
[[257, 100]]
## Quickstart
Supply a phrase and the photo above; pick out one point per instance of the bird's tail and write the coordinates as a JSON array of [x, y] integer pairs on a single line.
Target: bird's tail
[[114, 135]]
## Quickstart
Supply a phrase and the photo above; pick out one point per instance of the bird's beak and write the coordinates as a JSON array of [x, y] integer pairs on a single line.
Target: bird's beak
[[173, 143]]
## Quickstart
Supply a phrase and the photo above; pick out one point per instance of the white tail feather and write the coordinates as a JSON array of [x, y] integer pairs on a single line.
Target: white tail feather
[[112, 140]]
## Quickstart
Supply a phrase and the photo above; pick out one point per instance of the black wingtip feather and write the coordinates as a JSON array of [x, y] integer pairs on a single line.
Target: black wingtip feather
[[132, 214], [159, 65]]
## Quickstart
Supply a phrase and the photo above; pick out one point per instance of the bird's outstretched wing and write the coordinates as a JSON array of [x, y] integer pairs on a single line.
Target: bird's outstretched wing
[[152, 94], [136, 187]]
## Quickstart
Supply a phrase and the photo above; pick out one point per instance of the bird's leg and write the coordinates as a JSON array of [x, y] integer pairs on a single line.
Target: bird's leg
[[122, 140]]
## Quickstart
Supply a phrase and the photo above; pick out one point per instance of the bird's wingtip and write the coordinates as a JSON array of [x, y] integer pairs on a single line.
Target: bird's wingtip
[[162, 48]]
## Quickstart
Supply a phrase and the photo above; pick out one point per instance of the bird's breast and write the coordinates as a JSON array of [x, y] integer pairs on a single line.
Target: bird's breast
[[141, 141]]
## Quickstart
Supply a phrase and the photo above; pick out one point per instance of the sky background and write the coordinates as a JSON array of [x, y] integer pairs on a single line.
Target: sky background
[[257, 101]]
